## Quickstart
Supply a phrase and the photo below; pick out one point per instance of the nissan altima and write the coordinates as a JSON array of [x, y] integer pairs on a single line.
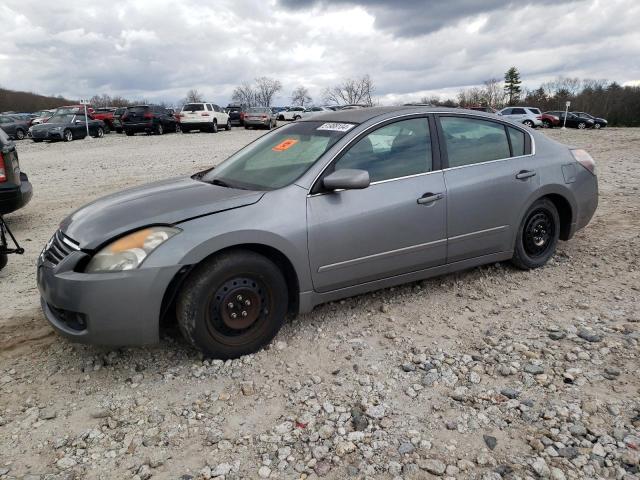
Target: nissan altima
[[321, 209]]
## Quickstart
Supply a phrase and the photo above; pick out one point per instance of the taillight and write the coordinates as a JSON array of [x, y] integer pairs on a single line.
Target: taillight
[[584, 159], [148, 115], [3, 172]]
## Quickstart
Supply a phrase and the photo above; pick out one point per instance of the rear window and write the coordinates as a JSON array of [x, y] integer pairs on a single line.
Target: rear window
[[193, 107], [234, 109], [138, 109]]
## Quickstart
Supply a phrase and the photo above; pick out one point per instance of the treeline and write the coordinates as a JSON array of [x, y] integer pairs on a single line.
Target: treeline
[[620, 105], [13, 101]]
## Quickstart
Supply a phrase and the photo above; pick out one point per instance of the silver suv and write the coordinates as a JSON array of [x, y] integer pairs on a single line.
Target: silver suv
[[529, 116]]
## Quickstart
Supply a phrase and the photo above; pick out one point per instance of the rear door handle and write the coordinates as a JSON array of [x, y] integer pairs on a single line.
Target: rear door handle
[[524, 174], [429, 198]]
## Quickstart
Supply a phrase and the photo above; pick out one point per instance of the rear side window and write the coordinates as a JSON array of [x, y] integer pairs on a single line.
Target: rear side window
[[534, 111], [193, 107], [506, 111], [518, 111], [471, 140], [517, 141]]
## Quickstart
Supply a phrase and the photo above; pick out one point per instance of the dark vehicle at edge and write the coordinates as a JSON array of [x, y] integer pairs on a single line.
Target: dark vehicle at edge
[[573, 121], [597, 121], [15, 188], [149, 119], [236, 113], [14, 126]]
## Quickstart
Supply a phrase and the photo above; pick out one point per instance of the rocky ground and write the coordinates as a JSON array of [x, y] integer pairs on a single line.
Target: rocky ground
[[488, 374]]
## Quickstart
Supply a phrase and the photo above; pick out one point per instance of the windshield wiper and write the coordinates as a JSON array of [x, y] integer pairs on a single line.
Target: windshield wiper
[[221, 183]]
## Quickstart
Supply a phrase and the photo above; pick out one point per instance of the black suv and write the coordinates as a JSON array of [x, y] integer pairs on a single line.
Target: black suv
[[15, 190], [236, 113], [148, 118]]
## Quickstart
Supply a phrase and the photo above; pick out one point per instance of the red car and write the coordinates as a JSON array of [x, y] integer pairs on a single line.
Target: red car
[[549, 121], [106, 114]]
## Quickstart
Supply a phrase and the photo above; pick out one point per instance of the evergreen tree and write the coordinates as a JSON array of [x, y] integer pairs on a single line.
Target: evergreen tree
[[512, 85]]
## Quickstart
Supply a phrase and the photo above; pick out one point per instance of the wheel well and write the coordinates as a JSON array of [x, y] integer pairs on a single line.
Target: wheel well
[[276, 256], [565, 213]]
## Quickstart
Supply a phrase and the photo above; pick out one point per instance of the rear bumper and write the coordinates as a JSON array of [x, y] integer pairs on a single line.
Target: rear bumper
[[12, 199], [257, 123], [119, 308], [194, 124]]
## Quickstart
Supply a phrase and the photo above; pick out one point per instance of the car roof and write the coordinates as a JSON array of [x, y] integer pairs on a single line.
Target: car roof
[[362, 115]]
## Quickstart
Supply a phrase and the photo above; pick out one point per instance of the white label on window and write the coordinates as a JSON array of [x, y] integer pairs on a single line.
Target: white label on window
[[336, 127]]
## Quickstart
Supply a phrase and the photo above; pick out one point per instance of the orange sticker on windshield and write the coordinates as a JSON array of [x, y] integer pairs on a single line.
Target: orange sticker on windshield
[[285, 145]]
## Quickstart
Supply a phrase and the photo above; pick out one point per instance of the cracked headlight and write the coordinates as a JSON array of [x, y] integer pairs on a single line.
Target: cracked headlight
[[128, 252]]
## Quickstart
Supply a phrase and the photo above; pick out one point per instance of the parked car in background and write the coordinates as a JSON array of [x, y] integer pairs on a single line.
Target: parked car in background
[[42, 116], [550, 121], [106, 114], [312, 212], [529, 116], [75, 109], [205, 117], [573, 121], [277, 109], [260, 117], [151, 119], [291, 113], [67, 127], [352, 106], [597, 121], [236, 113], [479, 108], [311, 111], [14, 127], [117, 117]]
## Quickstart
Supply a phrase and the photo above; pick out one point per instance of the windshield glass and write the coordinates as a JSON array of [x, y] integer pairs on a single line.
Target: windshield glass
[[278, 158], [64, 118]]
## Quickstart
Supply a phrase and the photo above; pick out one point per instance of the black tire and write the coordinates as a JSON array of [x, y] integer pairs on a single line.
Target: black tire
[[582, 125], [597, 126], [214, 126], [218, 289], [528, 123], [3, 261], [20, 134], [67, 135], [129, 133], [538, 235], [159, 130], [281, 117], [547, 124], [99, 133], [185, 130], [227, 127], [297, 117]]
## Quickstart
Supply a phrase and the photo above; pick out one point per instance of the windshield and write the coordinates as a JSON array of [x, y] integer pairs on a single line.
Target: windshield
[[278, 158], [64, 118]]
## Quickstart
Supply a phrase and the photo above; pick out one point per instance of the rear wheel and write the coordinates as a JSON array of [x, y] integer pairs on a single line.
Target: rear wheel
[[99, 133], [582, 125], [129, 133], [214, 126], [20, 134], [159, 129], [232, 304], [227, 127], [67, 135], [538, 235]]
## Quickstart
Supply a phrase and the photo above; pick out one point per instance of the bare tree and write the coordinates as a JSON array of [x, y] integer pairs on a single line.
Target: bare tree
[[244, 94], [194, 96], [494, 95], [351, 91], [300, 96], [265, 90]]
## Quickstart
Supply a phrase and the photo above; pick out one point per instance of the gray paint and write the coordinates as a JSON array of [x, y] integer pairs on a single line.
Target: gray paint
[[340, 243]]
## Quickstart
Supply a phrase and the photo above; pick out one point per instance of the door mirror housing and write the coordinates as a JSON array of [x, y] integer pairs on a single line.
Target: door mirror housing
[[347, 179]]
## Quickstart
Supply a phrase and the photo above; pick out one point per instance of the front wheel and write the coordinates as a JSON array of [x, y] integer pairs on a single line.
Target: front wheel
[[67, 135], [597, 126], [159, 129], [528, 123], [20, 134], [99, 133], [232, 304], [538, 235], [227, 127]]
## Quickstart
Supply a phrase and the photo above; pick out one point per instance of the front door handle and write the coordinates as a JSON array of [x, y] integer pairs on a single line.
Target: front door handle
[[429, 198], [524, 174]]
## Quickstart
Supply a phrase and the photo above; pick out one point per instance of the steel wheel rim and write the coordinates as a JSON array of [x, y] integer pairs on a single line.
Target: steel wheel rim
[[539, 231], [238, 310]]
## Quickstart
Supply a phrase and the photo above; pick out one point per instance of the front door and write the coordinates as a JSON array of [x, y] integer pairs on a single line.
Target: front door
[[490, 177], [396, 225]]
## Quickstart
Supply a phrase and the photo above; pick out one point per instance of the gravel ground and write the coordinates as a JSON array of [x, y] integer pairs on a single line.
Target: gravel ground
[[490, 373]]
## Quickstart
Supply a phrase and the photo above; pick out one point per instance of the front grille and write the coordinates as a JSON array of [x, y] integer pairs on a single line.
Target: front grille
[[59, 247]]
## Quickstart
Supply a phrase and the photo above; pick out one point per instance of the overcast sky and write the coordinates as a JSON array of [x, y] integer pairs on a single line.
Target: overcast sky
[[159, 49]]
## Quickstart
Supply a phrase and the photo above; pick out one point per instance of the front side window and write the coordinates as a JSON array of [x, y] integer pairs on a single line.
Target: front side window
[[396, 150], [471, 140], [278, 158], [507, 111], [518, 111]]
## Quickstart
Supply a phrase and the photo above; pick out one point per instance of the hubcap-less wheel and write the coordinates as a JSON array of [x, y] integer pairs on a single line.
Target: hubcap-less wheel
[[538, 233], [582, 126]]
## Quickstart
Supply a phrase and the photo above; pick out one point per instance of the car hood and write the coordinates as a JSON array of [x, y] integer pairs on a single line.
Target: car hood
[[166, 202], [49, 126]]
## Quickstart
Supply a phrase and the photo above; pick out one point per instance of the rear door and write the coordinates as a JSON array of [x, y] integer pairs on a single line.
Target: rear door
[[396, 225], [490, 174]]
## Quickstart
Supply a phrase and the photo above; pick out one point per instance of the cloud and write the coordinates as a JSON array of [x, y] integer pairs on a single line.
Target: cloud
[[159, 49]]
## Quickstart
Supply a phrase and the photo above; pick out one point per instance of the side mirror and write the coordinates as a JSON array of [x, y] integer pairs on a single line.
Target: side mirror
[[347, 179]]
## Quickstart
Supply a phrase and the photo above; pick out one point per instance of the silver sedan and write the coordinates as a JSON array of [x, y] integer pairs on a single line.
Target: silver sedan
[[321, 209]]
